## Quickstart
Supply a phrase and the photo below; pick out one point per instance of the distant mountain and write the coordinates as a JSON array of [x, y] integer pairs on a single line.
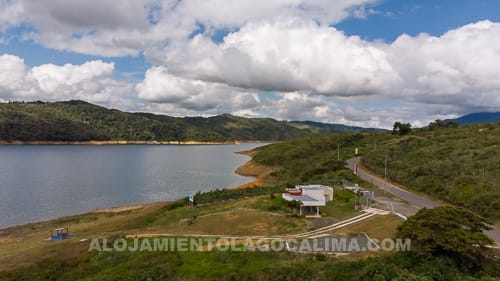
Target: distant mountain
[[322, 127], [77, 120], [474, 118]]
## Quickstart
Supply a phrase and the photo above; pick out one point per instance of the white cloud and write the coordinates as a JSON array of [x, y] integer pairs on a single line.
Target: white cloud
[[283, 46], [14, 79], [128, 27], [11, 14], [97, 27], [223, 14], [92, 81], [312, 67], [287, 55], [159, 86], [459, 67], [301, 106]]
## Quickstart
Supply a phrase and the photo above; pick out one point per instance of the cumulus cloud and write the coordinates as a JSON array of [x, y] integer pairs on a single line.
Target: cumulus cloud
[[288, 55], [301, 106], [296, 55], [224, 14], [92, 81], [128, 27], [11, 14], [14, 79], [159, 86], [312, 66], [459, 67]]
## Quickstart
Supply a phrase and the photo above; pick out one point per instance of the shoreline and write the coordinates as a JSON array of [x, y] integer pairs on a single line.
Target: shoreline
[[252, 169], [112, 209], [125, 142], [248, 169]]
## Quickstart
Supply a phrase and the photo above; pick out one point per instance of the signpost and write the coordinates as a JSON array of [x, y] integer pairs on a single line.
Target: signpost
[[191, 200]]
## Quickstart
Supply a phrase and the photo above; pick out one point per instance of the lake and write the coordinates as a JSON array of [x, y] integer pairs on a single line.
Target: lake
[[39, 182]]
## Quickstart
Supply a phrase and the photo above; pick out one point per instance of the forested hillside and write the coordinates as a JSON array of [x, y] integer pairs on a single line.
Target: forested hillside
[[82, 121], [457, 165]]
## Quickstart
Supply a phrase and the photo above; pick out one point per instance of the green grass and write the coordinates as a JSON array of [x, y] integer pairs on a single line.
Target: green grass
[[30, 258], [217, 265], [272, 203], [25, 246], [379, 227], [341, 207]]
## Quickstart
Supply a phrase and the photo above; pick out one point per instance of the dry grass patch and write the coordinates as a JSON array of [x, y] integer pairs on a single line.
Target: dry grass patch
[[24, 245], [379, 227], [241, 221]]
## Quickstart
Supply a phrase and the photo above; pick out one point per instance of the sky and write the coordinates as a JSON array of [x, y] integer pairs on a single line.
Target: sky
[[357, 62]]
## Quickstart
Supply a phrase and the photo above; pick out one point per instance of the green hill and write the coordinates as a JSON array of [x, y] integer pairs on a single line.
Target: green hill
[[332, 127], [82, 121], [459, 165]]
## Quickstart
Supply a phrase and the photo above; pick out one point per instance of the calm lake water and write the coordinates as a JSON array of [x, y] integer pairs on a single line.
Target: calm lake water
[[39, 182]]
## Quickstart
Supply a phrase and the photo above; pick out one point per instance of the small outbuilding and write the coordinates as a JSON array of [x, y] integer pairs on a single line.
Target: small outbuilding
[[310, 197]]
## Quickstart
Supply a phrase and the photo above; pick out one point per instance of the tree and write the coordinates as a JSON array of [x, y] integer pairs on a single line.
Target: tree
[[449, 231], [438, 123], [401, 129]]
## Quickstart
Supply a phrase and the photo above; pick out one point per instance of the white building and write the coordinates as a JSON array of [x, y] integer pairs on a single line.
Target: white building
[[310, 197]]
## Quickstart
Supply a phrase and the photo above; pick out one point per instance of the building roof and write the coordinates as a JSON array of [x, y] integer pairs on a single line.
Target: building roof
[[314, 187], [304, 199]]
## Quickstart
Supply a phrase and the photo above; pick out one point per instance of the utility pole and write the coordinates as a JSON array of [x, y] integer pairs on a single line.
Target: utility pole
[[338, 151], [385, 173]]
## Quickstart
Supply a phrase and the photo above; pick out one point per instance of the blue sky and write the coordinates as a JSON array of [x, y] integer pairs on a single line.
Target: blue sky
[[395, 17], [198, 58]]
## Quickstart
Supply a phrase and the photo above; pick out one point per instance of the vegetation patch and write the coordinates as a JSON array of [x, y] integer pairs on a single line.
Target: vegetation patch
[[379, 227], [458, 165]]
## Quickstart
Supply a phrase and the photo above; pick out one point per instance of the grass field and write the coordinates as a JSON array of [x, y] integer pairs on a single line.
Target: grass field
[[379, 227], [342, 205], [236, 217], [25, 245], [26, 256]]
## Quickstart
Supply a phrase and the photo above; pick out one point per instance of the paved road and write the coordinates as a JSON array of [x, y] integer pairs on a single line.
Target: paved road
[[413, 199]]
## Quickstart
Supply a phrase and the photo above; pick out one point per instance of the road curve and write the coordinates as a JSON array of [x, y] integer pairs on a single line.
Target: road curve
[[413, 199]]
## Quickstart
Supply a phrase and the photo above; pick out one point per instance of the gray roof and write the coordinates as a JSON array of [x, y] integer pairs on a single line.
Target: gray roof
[[303, 198], [314, 187]]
